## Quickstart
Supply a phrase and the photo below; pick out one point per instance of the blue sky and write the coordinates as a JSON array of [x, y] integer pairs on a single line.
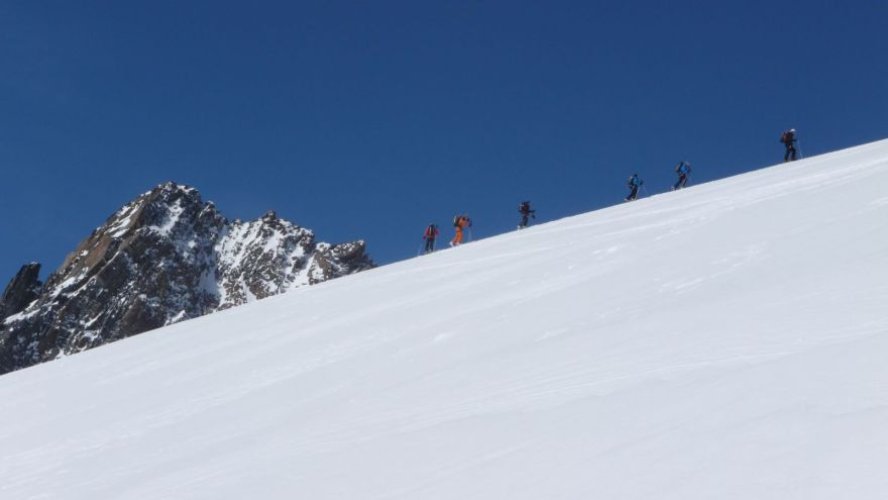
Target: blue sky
[[371, 119]]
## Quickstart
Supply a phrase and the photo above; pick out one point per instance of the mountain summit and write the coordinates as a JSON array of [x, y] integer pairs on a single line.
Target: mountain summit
[[162, 258]]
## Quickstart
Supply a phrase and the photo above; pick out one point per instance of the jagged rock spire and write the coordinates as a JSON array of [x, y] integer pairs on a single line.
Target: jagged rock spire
[[21, 290]]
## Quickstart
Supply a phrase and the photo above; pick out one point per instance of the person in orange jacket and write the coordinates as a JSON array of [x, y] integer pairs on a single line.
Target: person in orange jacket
[[460, 223]]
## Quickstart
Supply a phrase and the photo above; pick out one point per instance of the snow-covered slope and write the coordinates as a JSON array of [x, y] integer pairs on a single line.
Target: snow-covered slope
[[725, 341]]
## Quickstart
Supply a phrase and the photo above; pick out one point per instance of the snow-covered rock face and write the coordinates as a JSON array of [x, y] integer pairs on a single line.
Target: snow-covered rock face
[[165, 257]]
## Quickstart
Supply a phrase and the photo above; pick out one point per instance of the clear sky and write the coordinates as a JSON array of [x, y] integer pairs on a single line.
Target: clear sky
[[368, 120]]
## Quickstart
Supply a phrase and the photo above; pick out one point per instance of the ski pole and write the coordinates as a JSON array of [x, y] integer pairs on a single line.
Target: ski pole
[[799, 143]]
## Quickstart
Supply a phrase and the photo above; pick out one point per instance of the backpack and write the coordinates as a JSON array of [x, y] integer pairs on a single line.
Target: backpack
[[456, 219], [787, 137], [524, 207]]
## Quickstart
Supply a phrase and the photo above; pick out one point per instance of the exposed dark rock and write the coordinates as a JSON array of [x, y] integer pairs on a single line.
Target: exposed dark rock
[[21, 290], [165, 257]]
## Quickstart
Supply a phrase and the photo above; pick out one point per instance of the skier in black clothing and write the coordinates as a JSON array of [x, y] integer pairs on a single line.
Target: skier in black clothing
[[525, 211], [788, 139], [431, 233], [634, 183]]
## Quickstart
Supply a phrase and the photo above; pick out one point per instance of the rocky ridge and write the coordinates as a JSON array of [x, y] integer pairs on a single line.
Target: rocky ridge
[[165, 257]]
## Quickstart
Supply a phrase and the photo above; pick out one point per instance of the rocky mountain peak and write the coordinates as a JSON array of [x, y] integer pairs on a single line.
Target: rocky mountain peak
[[162, 258]]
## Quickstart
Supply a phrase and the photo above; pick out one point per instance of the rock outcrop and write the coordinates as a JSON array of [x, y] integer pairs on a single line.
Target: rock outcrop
[[21, 291], [165, 257]]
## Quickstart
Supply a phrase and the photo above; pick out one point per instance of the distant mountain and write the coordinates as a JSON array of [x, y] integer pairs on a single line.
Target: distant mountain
[[165, 257]]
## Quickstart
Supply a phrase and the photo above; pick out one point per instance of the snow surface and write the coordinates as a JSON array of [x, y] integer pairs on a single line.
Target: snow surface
[[122, 224], [724, 341]]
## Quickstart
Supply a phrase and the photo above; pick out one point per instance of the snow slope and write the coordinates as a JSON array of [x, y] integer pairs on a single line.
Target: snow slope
[[724, 341]]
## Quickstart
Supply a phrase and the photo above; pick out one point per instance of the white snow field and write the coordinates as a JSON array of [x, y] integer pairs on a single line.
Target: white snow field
[[729, 340]]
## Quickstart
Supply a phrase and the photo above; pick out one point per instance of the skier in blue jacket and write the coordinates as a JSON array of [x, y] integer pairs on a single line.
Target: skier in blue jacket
[[634, 183], [682, 169]]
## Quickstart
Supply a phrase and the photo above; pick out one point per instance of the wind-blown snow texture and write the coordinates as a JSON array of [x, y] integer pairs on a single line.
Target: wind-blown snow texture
[[724, 341]]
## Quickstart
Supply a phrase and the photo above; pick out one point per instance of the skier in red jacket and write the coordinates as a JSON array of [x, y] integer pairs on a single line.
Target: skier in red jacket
[[431, 233]]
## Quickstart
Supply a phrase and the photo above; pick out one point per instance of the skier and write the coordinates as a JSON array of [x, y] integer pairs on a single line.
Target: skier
[[431, 233], [788, 138], [525, 211], [460, 223], [682, 169], [634, 182]]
